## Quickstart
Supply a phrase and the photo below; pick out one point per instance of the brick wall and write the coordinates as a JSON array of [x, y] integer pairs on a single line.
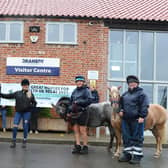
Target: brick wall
[[90, 53]]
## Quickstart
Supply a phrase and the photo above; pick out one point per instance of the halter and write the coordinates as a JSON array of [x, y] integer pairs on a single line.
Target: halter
[[114, 98], [115, 101]]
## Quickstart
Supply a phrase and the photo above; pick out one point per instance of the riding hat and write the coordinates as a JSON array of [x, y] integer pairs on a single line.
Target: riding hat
[[132, 78], [25, 82], [79, 78]]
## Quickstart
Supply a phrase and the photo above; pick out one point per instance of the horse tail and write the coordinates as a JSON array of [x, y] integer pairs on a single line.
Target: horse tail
[[163, 132]]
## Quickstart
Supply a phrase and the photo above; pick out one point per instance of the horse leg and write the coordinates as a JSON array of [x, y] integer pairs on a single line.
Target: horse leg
[[161, 132], [118, 142], [112, 135], [157, 132]]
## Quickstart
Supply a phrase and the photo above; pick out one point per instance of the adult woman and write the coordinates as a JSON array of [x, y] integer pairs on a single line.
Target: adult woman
[[95, 95], [80, 99], [134, 108], [3, 112], [25, 101]]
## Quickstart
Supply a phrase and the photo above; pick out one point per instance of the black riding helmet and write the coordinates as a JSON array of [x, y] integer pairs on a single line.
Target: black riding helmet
[[25, 82], [132, 78]]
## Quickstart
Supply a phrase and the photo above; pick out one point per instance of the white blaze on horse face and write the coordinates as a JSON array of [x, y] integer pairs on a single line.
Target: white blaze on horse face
[[114, 96], [114, 90]]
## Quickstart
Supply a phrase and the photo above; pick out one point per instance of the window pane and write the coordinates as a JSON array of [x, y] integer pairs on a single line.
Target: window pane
[[53, 33], [116, 69], [69, 33], [116, 45], [131, 54], [161, 56], [162, 96], [2, 31], [130, 68], [148, 89], [15, 32], [116, 54], [147, 55]]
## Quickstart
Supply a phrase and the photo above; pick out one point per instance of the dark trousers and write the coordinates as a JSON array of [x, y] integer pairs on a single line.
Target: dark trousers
[[133, 137], [34, 121]]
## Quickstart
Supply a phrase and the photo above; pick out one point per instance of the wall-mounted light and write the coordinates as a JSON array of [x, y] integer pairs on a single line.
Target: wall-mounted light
[[34, 29]]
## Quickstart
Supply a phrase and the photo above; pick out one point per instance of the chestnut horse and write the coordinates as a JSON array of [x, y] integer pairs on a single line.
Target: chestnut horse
[[155, 121]]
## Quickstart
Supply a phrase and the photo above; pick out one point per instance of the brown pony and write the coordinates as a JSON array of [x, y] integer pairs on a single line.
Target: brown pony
[[155, 121]]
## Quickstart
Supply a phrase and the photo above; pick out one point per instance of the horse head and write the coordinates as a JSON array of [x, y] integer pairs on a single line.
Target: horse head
[[62, 106], [114, 97]]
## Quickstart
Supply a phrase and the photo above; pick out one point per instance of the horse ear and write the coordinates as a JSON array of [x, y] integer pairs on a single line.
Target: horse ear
[[108, 88], [119, 87]]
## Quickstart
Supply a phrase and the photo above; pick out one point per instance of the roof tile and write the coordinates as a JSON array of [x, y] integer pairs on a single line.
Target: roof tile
[[114, 9]]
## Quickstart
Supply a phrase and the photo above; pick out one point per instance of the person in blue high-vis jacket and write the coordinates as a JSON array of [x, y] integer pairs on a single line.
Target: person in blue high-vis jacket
[[134, 109]]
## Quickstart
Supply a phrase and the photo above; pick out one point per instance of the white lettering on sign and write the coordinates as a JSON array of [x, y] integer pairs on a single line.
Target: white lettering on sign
[[42, 70], [23, 70]]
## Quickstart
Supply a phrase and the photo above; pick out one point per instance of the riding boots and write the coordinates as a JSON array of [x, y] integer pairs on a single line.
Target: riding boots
[[24, 143], [84, 150], [124, 158], [13, 144], [135, 159], [76, 149]]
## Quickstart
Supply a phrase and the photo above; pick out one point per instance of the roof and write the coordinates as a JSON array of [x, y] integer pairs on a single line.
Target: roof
[[147, 10]]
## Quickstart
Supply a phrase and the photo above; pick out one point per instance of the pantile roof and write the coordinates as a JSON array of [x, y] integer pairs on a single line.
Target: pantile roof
[[147, 10]]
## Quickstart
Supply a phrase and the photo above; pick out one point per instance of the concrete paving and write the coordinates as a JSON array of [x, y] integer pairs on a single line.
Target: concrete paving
[[59, 156], [62, 138]]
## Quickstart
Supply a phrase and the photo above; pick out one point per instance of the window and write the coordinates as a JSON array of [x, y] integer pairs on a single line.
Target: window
[[116, 54], [147, 55], [131, 53], [61, 33], [11, 32], [161, 56], [141, 53], [123, 53]]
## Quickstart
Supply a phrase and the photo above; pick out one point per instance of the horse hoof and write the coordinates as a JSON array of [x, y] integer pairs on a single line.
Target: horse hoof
[[116, 154]]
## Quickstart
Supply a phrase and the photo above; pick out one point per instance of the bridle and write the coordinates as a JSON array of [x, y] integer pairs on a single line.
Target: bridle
[[114, 98]]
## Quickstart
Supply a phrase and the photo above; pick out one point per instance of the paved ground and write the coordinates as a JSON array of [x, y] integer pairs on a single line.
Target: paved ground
[[59, 156], [62, 138]]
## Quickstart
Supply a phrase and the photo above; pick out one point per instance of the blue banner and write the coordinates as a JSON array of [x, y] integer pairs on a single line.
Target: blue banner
[[28, 70]]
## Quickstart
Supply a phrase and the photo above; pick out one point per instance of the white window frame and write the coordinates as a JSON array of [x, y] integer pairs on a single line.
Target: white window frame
[[8, 23], [61, 25]]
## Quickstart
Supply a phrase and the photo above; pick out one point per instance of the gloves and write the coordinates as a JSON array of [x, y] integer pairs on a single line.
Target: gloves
[[74, 108]]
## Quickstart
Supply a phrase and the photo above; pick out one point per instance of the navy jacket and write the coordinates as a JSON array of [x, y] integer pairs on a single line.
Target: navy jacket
[[95, 96], [81, 96], [134, 104]]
